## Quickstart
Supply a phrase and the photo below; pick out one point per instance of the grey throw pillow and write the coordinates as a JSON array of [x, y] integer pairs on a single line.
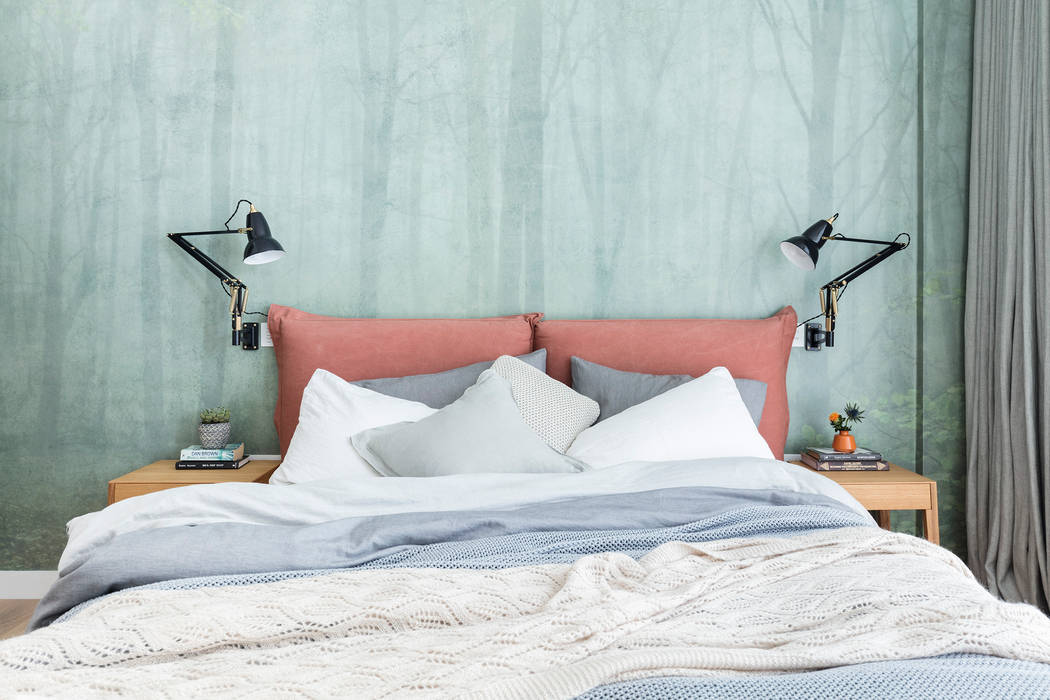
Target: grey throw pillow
[[481, 432], [439, 389], [616, 390], [753, 392]]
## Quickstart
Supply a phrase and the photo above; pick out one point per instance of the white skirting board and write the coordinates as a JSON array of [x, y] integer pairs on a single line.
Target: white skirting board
[[25, 584]]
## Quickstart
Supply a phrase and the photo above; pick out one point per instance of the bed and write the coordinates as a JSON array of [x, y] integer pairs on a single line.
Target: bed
[[696, 574]]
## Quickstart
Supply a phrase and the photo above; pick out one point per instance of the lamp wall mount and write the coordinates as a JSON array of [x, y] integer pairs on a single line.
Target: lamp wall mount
[[250, 336]]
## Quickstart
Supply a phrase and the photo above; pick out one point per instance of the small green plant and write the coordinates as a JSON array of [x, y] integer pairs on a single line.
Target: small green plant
[[850, 415], [215, 415]]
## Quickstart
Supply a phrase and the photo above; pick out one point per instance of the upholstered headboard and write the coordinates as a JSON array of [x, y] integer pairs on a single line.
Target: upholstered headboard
[[362, 348], [749, 349]]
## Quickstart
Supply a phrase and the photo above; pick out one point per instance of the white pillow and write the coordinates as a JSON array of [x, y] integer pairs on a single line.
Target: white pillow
[[554, 411], [702, 418], [481, 432], [332, 410]]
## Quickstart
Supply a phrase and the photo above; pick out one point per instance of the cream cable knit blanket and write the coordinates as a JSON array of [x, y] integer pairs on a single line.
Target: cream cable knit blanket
[[757, 605]]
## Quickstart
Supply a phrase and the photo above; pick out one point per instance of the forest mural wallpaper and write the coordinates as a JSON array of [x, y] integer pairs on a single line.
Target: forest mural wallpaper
[[584, 158]]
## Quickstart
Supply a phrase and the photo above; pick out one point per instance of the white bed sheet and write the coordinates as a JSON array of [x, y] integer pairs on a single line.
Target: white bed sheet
[[321, 501]]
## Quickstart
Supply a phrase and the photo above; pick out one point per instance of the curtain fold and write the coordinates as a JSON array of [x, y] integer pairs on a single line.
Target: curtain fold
[[1008, 301]]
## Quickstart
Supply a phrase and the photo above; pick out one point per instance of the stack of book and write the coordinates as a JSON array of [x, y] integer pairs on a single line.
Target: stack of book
[[825, 459], [196, 457]]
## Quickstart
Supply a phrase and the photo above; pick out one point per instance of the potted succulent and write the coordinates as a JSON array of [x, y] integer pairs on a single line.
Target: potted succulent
[[842, 422], [215, 428]]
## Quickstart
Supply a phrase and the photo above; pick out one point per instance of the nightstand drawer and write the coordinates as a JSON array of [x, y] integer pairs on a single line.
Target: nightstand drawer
[[891, 496], [163, 475], [118, 492]]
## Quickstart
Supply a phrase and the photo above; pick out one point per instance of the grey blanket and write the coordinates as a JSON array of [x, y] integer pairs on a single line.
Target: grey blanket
[[408, 539], [950, 677]]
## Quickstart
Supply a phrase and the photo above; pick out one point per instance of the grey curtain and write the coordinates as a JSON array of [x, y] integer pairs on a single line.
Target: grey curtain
[[1008, 301]]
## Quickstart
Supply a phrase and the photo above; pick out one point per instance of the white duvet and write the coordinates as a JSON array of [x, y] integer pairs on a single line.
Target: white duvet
[[321, 501]]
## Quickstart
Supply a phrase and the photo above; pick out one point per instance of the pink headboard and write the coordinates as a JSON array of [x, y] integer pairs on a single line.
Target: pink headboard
[[749, 349], [367, 348]]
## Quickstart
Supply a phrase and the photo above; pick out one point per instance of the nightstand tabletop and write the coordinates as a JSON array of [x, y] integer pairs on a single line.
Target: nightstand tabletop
[[163, 475]]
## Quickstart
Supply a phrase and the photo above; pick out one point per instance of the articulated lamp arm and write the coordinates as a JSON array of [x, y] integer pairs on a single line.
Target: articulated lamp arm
[[237, 290], [830, 292]]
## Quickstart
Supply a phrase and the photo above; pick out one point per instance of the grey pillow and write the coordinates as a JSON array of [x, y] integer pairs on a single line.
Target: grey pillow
[[439, 389], [616, 390], [481, 432]]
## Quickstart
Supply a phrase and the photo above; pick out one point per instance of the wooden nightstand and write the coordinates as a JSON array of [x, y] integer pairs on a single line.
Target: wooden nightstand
[[896, 489], [163, 475]]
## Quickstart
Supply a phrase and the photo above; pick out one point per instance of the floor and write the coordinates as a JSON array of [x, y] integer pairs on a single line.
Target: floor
[[14, 616]]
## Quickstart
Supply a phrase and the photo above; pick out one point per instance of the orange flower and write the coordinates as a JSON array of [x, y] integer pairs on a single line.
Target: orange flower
[[833, 417]]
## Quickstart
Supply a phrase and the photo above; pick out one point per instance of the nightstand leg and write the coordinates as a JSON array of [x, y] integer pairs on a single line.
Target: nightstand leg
[[929, 518], [882, 517]]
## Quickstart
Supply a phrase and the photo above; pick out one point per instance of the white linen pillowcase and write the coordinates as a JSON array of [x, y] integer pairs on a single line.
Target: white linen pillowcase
[[332, 410], [699, 419], [481, 432]]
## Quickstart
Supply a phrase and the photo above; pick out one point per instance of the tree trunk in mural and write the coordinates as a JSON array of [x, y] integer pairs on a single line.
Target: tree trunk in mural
[[588, 139], [213, 366], [478, 160], [414, 239], [57, 68], [633, 146], [98, 274], [825, 20], [738, 171], [379, 90], [143, 80], [521, 274], [592, 175], [896, 168], [14, 292], [824, 45]]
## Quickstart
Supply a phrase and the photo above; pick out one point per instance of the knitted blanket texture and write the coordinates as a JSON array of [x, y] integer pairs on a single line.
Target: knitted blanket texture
[[754, 605]]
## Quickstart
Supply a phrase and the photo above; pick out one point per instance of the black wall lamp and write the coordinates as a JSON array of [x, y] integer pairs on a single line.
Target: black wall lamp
[[804, 250], [261, 249]]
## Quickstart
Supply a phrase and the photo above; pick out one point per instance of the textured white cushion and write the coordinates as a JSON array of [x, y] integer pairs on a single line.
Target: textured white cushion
[[702, 418], [557, 413], [332, 410]]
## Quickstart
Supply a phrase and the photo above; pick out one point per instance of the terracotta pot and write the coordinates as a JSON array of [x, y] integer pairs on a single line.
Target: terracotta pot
[[844, 442]]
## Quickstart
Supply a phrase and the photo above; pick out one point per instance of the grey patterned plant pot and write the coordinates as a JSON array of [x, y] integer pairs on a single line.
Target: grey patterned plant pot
[[214, 435]]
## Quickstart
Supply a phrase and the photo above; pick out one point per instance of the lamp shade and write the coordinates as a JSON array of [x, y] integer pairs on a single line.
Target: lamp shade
[[804, 250], [261, 248], [800, 251]]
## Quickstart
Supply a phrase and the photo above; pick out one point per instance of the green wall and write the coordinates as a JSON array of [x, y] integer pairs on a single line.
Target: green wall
[[463, 158]]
